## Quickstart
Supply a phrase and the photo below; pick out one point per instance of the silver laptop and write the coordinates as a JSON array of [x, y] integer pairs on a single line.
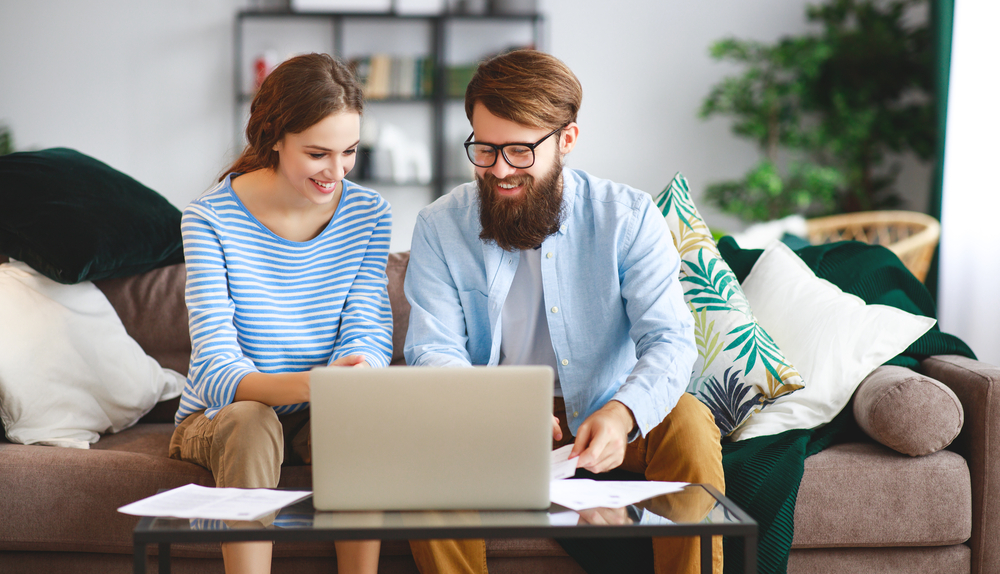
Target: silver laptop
[[422, 438]]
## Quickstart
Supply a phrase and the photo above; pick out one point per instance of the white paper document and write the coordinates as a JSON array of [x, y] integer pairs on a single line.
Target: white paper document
[[193, 501], [583, 493], [562, 466]]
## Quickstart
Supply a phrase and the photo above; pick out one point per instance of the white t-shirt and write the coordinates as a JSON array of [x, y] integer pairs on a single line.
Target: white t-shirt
[[524, 332]]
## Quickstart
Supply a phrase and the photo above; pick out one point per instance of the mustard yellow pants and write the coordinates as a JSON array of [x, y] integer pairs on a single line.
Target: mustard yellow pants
[[685, 447], [244, 446]]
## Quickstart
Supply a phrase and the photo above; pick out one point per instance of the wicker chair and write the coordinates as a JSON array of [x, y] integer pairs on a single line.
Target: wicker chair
[[910, 235]]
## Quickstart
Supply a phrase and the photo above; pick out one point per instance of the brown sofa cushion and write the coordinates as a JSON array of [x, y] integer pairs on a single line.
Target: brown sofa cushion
[[396, 271], [953, 559], [908, 412], [151, 306], [864, 494], [65, 499]]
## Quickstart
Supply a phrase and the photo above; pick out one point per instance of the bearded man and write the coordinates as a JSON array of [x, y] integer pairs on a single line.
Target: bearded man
[[538, 264]]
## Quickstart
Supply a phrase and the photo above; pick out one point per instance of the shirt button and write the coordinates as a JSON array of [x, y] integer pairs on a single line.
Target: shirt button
[[562, 228], [575, 414], [548, 255], [555, 309], [510, 262], [565, 362]]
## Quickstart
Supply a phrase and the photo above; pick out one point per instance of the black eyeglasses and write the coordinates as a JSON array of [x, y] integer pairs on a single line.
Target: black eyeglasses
[[518, 155]]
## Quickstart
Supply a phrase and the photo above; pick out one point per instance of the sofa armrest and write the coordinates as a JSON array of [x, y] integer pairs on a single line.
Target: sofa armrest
[[977, 385]]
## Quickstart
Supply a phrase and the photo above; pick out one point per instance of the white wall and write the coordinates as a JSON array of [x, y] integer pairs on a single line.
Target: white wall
[[143, 86], [970, 237], [146, 86], [645, 72]]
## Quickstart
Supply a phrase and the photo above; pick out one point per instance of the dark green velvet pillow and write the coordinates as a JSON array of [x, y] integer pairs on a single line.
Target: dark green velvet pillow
[[74, 218]]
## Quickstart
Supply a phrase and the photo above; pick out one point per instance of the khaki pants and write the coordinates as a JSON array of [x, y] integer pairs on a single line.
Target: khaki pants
[[244, 446], [685, 447]]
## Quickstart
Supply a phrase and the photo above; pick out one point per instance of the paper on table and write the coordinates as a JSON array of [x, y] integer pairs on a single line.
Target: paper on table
[[193, 501], [582, 493], [562, 466]]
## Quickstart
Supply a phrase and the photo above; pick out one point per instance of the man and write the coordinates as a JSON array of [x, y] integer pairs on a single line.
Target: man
[[535, 263]]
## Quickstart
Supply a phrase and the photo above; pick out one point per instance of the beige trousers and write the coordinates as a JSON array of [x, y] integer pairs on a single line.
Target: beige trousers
[[244, 446]]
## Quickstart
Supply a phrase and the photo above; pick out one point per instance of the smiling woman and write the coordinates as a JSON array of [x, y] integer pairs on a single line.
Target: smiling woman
[[285, 272], [274, 290]]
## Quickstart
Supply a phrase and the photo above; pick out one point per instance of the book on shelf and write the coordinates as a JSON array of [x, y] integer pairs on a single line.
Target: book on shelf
[[404, 77]]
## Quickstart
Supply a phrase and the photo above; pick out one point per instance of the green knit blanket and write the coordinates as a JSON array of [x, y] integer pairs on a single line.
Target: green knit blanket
[[763, 473]]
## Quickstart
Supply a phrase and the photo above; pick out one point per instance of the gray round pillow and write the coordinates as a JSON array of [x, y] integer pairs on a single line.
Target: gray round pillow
[[908, 412]]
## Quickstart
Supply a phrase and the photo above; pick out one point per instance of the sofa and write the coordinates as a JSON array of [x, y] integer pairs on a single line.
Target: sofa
[[863, 505]]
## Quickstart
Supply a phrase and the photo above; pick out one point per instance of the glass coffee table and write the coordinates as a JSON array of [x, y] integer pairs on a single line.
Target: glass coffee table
[[697, 510]]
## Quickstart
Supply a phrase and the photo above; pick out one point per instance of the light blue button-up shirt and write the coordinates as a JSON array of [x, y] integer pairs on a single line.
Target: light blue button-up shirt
[[616, 314]]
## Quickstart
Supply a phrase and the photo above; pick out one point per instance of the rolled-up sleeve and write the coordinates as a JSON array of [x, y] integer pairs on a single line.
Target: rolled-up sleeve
[[661, 324]]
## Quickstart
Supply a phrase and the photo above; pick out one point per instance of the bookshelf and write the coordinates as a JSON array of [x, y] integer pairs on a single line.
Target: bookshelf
[[414, 68]]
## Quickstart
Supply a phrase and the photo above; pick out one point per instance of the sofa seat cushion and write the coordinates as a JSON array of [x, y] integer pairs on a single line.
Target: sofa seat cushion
[[283, 549], [495, 548], [67, 499], [147, 439], [955, 559], [59, 499], [864, 494]]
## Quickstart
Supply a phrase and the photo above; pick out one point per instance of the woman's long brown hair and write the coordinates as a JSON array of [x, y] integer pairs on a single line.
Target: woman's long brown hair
[[298, 94]]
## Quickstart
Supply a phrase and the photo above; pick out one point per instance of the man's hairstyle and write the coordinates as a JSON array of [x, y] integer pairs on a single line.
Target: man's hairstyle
[[526, 87]]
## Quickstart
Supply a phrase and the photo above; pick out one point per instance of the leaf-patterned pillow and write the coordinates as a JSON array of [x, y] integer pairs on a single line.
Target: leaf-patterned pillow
[[739, 370]]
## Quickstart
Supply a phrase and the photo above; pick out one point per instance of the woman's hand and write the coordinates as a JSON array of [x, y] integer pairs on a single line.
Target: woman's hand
[[274, 389], [351, 361]]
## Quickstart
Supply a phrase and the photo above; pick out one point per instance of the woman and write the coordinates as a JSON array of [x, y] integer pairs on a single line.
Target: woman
[[286, 271]]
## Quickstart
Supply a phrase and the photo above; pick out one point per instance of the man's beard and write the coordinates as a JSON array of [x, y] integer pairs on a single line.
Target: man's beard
[[521, 222]]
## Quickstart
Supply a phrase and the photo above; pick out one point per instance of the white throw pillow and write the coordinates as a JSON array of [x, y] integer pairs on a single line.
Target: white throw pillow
[[832, 337], [68, 369]]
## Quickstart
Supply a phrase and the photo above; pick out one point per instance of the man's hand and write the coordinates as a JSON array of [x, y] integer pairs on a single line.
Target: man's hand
[[605, 516], [556, 431], [600, 442]]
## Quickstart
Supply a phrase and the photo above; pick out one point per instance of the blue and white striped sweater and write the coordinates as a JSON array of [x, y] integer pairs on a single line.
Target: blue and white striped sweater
[[258, 302]]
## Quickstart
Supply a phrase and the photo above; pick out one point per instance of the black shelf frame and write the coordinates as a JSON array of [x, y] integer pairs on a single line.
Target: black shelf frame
[[439, 98]]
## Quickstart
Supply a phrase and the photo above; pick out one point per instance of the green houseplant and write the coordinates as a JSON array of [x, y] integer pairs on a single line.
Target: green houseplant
[[827, 108], [6, 140]]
